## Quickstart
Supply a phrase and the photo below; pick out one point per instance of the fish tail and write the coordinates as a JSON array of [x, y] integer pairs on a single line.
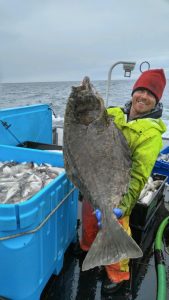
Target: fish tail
[[111, 245]]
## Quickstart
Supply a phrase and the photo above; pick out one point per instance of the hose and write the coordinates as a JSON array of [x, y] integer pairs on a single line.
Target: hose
[[160, 263]]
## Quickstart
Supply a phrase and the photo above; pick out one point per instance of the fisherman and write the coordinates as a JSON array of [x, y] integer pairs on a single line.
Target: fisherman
[[142, 127]]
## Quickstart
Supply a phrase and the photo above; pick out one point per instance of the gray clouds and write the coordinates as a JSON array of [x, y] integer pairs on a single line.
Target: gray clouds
[[63, 40]]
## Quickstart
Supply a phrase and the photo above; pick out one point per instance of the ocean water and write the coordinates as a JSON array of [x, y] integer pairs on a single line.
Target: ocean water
[[57, 93]]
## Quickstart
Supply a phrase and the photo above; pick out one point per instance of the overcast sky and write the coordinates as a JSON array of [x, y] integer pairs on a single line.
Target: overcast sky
[[57, 40]]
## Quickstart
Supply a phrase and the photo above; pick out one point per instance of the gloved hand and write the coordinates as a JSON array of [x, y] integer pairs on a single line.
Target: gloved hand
[[98, 217], [117, 211]]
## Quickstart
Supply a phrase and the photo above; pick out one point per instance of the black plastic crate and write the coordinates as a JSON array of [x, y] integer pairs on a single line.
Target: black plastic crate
[[145, 237], [40, 146], [142, 214]]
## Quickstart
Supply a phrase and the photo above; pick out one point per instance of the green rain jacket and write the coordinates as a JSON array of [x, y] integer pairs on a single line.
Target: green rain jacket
[[145, 141]]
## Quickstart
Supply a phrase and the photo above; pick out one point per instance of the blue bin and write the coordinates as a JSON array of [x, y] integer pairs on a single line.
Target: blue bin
[[35, 234], [27, 123], [161, 166]]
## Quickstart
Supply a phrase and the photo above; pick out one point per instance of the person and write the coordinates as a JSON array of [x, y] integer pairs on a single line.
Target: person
[[142, 127]]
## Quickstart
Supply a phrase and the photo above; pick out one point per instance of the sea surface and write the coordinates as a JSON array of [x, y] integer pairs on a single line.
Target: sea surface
[[57, 93]]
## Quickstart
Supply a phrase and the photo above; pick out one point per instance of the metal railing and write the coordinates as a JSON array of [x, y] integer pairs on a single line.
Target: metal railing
[[57, 135]]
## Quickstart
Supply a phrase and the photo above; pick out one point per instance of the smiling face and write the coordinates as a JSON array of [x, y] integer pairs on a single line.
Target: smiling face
[[143, 101]]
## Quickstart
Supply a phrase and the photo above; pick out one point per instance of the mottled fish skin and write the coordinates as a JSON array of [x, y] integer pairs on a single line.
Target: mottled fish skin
[[97, 160]]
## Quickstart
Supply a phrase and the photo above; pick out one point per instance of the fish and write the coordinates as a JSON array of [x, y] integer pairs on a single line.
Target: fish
[[20, 181], [97, 160], [163, 157], [149, 190]]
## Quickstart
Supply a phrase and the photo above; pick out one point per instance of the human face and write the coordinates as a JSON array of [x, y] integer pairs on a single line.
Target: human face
[[143, 101]]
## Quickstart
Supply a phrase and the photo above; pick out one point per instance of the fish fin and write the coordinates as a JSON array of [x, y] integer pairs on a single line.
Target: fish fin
[[111, 246]]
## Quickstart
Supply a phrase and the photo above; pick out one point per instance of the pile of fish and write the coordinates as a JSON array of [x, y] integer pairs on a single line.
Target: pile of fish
[[164, 157], [148, 191], [20, 181]]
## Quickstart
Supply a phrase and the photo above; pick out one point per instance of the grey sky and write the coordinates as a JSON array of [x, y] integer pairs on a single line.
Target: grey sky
[[51, 40]]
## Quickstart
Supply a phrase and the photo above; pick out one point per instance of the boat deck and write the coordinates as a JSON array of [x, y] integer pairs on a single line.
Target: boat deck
[[73, 284]]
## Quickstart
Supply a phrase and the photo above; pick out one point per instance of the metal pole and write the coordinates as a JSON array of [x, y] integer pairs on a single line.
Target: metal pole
[[130, 67]]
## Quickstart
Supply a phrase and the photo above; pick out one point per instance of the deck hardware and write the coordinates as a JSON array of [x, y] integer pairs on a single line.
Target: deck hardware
[[127, 66]]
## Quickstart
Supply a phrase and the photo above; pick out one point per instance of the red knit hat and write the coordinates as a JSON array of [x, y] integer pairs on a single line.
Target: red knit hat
[[152, 80]]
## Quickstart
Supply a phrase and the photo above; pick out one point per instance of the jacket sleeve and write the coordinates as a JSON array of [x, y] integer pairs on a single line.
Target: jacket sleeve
[[143, 160]]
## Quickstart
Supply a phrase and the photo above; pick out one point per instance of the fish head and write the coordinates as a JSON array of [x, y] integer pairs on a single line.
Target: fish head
[[85, 104]]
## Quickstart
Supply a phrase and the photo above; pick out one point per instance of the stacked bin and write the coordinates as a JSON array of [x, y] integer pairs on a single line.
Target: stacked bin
[[161, 166], [35, 234]]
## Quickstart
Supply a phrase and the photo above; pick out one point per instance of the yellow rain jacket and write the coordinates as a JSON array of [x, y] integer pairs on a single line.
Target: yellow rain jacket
[[145, 141]]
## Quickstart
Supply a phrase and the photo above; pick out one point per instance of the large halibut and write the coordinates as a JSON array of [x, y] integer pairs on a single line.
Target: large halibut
[[97, 160]]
